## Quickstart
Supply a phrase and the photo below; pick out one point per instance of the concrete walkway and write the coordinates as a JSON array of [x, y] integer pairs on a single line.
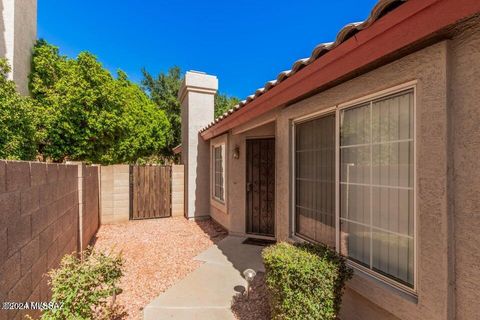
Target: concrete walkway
[[207, 292]]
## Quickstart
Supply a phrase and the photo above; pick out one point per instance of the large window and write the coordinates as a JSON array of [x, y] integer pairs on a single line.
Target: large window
[[218, 173], [375, 210], [376, 185], [315, 179]]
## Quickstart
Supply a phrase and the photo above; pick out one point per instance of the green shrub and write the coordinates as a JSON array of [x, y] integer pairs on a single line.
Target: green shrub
[[86, 289], [17, 127], [304, 281]]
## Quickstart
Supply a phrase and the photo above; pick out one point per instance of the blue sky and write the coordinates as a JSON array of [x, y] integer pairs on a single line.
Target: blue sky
[[245, 43]]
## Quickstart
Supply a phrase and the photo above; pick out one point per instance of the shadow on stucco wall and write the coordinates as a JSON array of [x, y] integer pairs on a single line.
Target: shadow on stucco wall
[[202, 182]]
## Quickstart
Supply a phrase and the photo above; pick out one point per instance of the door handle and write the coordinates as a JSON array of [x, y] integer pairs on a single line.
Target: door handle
[[249, 186]]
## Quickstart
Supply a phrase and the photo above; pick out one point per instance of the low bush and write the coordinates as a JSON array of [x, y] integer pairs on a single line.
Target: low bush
[[304, 281], [86, 288]]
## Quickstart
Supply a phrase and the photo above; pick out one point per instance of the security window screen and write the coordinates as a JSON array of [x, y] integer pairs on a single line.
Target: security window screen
[[377, 186], [315, 180], [218, 173]]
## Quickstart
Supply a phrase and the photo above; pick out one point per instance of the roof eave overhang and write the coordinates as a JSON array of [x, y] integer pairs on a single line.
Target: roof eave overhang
[[411, 23]]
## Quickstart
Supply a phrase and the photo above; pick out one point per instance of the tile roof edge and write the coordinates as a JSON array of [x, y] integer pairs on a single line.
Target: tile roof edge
[[379, 10]]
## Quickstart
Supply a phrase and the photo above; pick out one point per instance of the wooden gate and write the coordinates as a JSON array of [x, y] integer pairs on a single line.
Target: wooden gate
[[151, 191]]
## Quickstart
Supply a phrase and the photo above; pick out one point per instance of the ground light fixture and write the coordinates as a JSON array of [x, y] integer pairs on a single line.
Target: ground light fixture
[[249, 275]]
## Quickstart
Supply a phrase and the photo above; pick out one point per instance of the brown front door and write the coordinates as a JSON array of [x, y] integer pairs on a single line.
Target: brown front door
[[261, 186]]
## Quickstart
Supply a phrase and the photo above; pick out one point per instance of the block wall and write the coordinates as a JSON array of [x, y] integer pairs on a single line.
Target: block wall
[[178, 192], [115, 194], [38, 225]]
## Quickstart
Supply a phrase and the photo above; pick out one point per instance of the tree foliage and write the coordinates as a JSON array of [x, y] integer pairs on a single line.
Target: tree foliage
[[163, 90], [86, 114], [224, 103], [17, 129]]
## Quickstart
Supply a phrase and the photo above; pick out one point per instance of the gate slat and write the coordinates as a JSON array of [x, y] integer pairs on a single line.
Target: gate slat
[[168, 194], [163, 192], [151, 194], [134, 191], [158, 191], [142, 192]]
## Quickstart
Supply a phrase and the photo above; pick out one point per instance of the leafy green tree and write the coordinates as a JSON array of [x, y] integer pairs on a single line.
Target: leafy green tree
[[224, 103], [163, 90], [17, 129], [86, 114]]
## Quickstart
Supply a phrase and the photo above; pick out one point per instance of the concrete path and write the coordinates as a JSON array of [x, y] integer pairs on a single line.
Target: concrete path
[[207, 292]]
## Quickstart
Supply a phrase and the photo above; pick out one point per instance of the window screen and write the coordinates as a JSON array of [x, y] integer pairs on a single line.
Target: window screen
[[376, 186], [315, 180], [218, 172]]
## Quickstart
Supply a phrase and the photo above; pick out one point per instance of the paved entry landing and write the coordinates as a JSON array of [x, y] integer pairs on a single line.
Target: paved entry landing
[[207, 292]]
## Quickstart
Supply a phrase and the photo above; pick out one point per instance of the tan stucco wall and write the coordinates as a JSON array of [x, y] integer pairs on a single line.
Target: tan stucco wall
[[196, 95], [428, 67], [464, 189], [447, 178]]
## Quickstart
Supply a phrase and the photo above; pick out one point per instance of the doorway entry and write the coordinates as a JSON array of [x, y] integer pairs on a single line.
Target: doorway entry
[[260, 186]]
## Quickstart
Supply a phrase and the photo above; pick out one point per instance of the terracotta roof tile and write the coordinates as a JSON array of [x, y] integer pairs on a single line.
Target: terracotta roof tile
[[380, 9]]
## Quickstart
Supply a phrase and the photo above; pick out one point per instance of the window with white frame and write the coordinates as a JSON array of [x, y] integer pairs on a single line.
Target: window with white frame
[[218, 173], [375, 184]]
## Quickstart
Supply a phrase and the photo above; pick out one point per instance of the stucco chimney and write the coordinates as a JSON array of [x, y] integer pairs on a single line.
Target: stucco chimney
[[197, 95], [18, 33]]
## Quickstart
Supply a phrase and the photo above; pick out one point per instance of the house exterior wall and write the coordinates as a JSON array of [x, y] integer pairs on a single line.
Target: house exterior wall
[[232, 215], [237, 179], [447, 178], [464, 152], [429, 68], [18, 33]]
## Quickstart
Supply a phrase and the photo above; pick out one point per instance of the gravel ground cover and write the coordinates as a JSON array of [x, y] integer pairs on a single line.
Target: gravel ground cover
[[157, 254], [256, 307]]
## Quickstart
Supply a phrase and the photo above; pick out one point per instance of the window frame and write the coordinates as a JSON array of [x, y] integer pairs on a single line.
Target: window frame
[[221, 145], [336, 109]]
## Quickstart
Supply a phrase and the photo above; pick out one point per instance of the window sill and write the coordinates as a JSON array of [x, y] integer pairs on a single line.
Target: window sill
[[222, 202], [389, 286], [219, 204]]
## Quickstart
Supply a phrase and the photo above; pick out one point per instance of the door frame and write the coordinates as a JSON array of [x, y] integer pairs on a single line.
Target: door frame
[[258, 235]]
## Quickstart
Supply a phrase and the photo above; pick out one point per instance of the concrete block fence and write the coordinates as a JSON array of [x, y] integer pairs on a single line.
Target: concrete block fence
[[115, 194], [49, 210], [178, 190], [39, 224]]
